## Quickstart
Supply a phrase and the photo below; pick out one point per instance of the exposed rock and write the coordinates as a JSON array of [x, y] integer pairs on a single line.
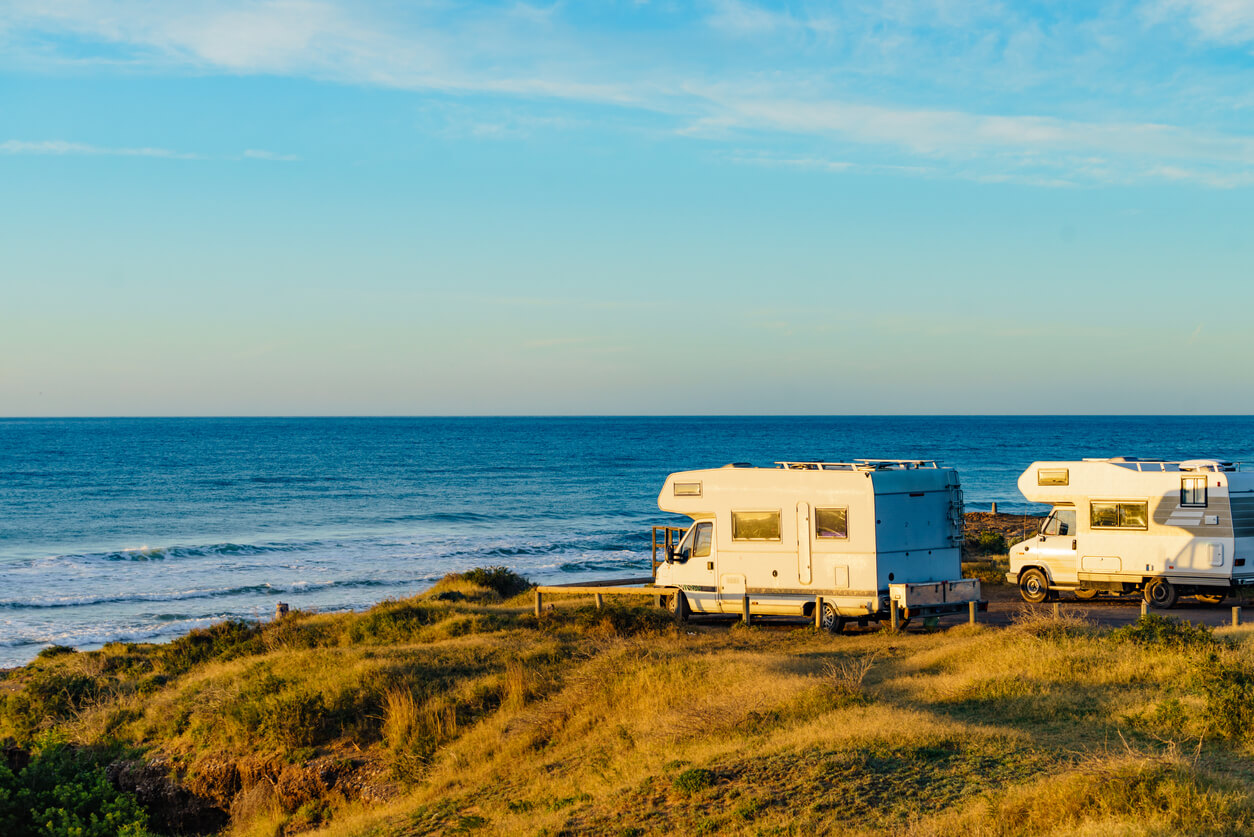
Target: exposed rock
[[172, 808]]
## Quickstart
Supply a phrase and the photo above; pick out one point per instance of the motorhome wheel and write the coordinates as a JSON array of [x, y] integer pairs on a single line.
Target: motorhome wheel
[[829, 620], [1161, 593], [1033, 586], [677, 606], [1085, 595], [1210, 598]]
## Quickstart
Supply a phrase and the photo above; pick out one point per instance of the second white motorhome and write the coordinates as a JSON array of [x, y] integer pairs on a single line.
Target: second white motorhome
[[1127, 525], [861, 535]]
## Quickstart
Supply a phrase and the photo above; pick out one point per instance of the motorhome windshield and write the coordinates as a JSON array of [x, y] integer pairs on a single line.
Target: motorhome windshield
[[1061, 522]]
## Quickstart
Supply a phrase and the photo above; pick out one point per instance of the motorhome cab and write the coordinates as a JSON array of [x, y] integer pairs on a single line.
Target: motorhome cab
[[858, 534], [1128, 525]]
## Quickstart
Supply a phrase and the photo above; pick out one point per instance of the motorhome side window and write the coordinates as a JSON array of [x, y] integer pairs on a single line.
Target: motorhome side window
[[831, 523], [1193, 491], [1061, 522], [755, 525], [1118, 515]]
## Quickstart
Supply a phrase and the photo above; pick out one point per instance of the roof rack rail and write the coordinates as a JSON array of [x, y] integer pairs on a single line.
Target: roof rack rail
[[859, 465]]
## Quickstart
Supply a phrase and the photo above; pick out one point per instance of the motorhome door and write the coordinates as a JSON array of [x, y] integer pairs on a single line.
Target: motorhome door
[[697, 577], [1056, 546]]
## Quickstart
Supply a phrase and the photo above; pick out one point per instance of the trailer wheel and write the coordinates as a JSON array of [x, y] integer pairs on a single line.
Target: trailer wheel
[[1033, 586], [677, 606], [1161, 593], [829, 620], [1210, 598], [1085, 595]]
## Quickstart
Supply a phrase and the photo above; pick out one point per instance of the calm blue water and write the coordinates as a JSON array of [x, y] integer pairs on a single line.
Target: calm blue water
[[141, 529]]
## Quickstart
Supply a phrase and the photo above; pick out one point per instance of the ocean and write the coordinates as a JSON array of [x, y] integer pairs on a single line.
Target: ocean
[[141, 529]]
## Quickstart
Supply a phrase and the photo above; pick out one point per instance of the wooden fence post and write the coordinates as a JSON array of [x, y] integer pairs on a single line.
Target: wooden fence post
[[600, 600], [818, 611], [1144, 608], [744, 613], [892, 614], [1236, 616], [972, 607], [537, 603]]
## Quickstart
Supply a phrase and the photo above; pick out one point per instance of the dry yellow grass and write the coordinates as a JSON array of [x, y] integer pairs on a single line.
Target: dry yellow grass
[[466, 714]]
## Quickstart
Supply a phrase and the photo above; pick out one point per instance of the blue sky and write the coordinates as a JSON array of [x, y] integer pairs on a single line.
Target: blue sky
[[613, 208]]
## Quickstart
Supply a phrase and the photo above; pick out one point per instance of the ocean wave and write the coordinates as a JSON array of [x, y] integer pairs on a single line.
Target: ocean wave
[[208, 593], [161, 553], [84, 636]]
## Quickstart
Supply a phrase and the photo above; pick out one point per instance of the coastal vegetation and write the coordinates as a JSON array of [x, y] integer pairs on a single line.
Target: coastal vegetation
[[458, 711]]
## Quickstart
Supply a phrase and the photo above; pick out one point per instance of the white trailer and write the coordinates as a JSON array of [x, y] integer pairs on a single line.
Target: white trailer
[[1127, 525], [864, 536]]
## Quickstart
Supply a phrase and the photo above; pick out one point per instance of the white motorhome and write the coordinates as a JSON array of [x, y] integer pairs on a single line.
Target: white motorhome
[[1129, 525], [860, 534]]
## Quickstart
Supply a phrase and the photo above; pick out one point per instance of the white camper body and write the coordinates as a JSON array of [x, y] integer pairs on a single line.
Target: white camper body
[[1127, 525], [858, 534]]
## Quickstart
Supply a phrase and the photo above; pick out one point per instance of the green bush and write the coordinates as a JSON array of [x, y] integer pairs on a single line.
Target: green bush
[[1228, 685], [225, 640], [503, 580], [64, 792], [985, 543], [54, 651], [295, 719], [49, 695], [694, 779], [1155, 629]]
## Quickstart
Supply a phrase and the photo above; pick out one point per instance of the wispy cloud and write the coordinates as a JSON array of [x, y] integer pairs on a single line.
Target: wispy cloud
[[61, 147], [887, 88], [67, 148], [259, 154], [1224, 21]]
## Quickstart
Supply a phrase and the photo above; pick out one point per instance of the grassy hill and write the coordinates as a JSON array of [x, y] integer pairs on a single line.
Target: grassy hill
[[457, 711]]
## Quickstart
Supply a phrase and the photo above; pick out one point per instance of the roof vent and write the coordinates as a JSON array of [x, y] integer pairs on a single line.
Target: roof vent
[[1207, 465]]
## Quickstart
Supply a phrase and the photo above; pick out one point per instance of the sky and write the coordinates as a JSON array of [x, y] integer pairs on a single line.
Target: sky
[[299, 207]]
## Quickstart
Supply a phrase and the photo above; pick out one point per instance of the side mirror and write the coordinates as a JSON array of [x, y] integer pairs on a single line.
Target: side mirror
[[1042, 537], [670, 553]]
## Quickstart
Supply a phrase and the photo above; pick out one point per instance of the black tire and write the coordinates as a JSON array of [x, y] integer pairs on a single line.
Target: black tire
[[1210, 598], [677, 606], [829, 620], [1160, 593], [1033, 586], [1085, 595]]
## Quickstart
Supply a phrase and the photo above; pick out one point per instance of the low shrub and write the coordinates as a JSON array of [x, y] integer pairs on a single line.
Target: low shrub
[[64, 792], [694, 779], [1227, 683], [295, 719], [503, 580], [989, 542], [1155, 629], [223, 641], [394, 621], [54, 651], [48, 696]]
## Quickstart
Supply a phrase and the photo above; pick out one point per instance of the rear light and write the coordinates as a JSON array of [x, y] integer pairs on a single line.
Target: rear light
[[1240, 562]]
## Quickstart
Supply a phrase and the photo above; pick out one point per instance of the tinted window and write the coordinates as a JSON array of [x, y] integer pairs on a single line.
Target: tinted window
[[831, 523], [755, 525], [1118, 515]]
